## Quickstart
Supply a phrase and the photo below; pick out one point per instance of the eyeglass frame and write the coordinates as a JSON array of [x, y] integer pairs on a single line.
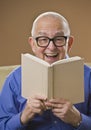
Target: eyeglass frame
[[50, 39]]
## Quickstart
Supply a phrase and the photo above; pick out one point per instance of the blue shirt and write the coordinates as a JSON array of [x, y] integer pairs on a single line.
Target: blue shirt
[[12, 104]]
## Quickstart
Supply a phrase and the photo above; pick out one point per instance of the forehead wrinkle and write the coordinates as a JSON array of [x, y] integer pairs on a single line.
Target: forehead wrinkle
[[58, 33]]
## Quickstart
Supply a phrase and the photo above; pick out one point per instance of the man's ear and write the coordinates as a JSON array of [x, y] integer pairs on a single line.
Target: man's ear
[[31, 43], [70, 43]]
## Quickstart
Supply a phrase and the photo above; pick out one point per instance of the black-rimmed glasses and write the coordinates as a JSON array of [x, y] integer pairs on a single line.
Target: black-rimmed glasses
[[43, 41]]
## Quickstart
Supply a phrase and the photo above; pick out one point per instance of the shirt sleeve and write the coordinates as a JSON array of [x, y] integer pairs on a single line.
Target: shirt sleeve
[[86, 118], [13, 123], [11, 104], [85, 124]]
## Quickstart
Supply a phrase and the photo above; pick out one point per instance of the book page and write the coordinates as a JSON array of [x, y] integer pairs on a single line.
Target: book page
[[34, 58], [69, 81], [70, 59], [34, 78]]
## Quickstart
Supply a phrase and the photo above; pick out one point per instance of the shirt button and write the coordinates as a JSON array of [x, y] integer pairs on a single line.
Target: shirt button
[[55, 122]]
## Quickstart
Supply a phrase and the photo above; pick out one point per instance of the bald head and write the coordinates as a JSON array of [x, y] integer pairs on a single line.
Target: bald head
[[50, 15]]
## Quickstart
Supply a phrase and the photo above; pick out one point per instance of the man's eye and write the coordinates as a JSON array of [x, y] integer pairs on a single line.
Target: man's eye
[[59, 39], [43, 39]]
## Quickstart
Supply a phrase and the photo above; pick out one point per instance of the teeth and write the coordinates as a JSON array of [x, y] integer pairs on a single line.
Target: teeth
[[51, 54]]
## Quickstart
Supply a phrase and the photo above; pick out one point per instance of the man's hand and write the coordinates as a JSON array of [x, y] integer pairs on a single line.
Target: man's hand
[[65, 110], [34, 105]]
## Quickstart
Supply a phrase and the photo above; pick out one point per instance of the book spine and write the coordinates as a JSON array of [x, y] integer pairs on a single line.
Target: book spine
[[50, 82]]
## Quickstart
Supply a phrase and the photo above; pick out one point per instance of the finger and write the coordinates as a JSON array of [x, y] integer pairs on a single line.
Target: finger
[[39, 97], [56, 101], [59, 106], [36, 103]]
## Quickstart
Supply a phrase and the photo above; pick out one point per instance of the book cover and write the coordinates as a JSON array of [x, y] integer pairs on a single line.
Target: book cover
[[62, 79]]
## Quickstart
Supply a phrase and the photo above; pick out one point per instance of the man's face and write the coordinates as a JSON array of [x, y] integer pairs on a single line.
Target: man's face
[[51, 28]]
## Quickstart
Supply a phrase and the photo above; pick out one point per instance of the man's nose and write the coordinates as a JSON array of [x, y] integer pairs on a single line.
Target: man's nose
[[51, 45]]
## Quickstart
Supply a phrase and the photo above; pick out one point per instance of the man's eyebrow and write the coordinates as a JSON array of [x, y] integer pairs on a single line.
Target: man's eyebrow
[[61, 33], [42, 33]]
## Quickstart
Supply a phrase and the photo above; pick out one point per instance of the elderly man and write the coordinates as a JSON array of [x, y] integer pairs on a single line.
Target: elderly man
[[51, 41]]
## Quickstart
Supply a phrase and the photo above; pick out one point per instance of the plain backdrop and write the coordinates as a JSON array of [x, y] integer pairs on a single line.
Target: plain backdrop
[[16, 17]]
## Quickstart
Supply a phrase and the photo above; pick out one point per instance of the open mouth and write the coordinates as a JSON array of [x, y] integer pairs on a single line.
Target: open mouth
[[51, 54]]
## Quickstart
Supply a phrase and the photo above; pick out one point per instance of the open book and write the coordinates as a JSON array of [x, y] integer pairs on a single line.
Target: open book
[[61, 79]]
